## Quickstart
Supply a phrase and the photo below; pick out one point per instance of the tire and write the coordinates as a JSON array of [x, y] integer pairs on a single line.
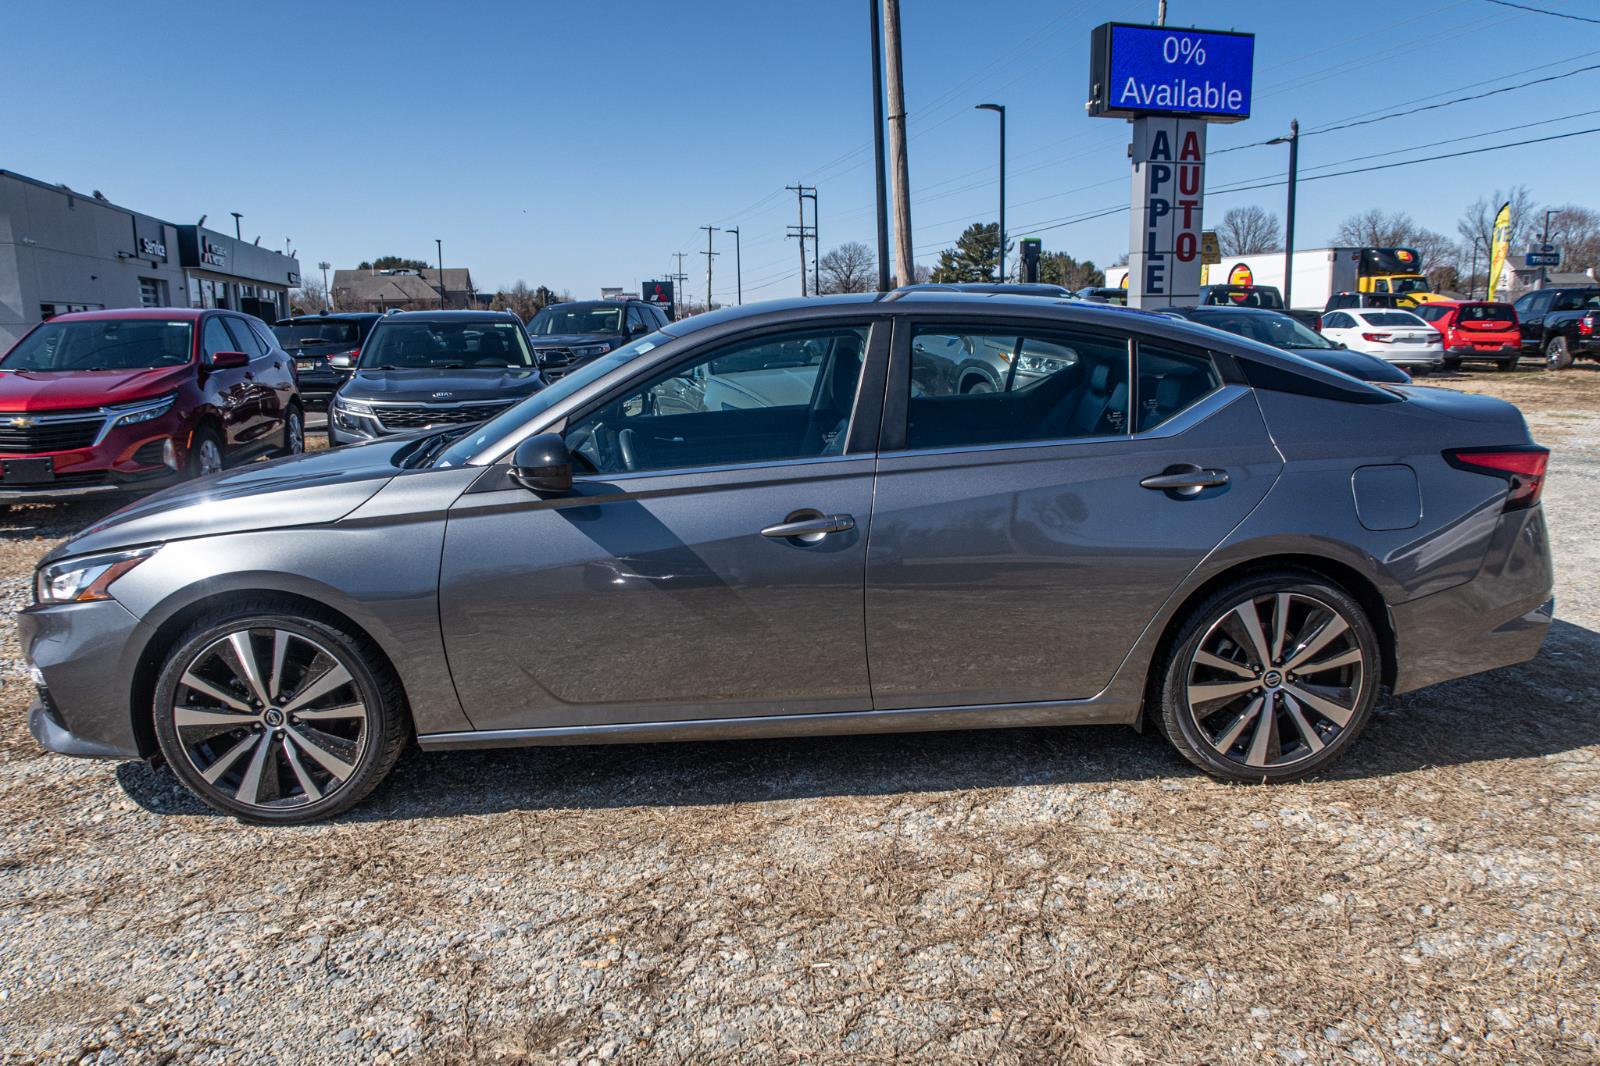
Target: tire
[[1213, 650], [1452, 364], [306, 752], [1507, 365], [1557, 356], [977, 386], [294, 431], [205, 449]]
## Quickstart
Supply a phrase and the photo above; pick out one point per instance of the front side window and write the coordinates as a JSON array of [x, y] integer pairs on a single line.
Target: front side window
[[1171, 381], [1280, 331], [764, 400], [105, 344], [976, 386], [446, 345], [215, 337]]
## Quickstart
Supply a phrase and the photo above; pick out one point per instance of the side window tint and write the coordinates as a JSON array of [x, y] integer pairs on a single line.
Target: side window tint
[[1170, 381], [770, 399], [216, 338], [245, 337], [264, 336], [981, 386]]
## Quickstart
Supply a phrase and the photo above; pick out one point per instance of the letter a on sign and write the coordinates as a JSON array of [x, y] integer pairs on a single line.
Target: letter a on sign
[[1160, 148], [1191, 146]]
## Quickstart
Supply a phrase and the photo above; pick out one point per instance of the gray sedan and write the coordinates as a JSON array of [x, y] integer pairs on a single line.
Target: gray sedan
[[790, 519]]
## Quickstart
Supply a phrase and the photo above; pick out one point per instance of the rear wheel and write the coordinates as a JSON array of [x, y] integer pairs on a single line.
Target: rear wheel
[[1507, 365], [1556, 354], [276, 716], [294, 431], [1452, 364], [1270, 679]]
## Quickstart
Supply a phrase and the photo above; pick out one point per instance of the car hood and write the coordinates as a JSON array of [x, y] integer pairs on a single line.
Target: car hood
[[32, 390], [311, 489], [564, 340], [425, 386]]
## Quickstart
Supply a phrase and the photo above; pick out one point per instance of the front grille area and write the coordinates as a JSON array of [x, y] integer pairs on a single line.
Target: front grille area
[[23, 434], [418, 415]]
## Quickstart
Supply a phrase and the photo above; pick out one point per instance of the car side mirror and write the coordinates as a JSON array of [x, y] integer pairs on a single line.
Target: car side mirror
[[342, 361], [638, 329], [542, 464], [229, 360]]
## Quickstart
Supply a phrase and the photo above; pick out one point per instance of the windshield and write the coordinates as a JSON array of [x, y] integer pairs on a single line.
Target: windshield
[[103, 344], [1280, 331], [1391, 318], [445, 345], [305, 334], [1409, 285], [510, 419], [576, 318]]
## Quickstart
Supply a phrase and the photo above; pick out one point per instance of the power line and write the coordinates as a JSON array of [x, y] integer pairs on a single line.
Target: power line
[[1545, 11], [1456, 100]]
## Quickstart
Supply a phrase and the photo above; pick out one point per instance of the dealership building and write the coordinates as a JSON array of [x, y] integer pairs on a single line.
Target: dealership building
[[63, 250]]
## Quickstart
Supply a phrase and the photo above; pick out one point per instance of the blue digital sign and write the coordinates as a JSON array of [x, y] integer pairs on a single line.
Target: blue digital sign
[[1159, 70]]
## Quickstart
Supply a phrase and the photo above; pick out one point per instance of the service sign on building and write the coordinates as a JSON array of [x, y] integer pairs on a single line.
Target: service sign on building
[[1172, 83]]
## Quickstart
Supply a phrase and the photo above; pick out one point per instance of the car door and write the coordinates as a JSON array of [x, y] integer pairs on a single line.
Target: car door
[[708, 561], [265, 410], [1336, 326], [1531, 310], [278, 377], [225, 387], [1019, 547]]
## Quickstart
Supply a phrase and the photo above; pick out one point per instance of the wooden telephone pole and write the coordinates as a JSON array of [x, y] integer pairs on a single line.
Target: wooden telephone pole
[[900, 168]]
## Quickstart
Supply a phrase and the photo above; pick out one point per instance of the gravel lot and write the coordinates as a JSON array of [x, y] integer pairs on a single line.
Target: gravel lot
[[1011, 896]]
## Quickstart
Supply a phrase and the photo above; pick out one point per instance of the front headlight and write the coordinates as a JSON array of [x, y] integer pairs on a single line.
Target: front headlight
[[143, 411], [587, 350], [352, 407], [85, 579]]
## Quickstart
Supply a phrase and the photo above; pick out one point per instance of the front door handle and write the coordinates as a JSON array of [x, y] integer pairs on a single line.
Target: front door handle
[[810, 530], [1185, 480]]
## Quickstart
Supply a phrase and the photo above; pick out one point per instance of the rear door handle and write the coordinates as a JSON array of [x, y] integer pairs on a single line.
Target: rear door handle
[[1185, 480], [811, 530]]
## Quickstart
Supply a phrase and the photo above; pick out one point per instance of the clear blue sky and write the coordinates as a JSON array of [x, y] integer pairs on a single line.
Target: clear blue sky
[[581, 144]]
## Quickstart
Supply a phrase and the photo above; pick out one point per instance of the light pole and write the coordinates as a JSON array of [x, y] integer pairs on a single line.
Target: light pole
[[439, 246], [236, 217], [1000, 254], [327, 293], [738, 266], [1293, 141]]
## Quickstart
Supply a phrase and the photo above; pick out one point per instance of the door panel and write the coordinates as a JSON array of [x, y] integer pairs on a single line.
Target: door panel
[[1015, 573], [226, 387], [655, 597]]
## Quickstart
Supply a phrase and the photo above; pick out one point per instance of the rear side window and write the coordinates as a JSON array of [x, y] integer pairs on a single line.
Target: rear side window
[[1171, 381], [1433, 313], [245, 337], [978, 385]]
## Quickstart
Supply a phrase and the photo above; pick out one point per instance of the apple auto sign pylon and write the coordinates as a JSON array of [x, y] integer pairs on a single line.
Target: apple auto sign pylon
[[1171, 83]]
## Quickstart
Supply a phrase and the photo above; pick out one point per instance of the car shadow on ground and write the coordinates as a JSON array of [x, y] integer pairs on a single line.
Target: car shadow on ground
[[1537, 709]]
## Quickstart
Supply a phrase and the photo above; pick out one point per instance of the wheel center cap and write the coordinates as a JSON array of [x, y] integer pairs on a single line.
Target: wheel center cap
[[273, 717], [1272, 679]]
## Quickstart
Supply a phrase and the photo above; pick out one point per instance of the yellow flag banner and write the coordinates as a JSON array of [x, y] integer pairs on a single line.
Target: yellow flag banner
[[1500, 248]]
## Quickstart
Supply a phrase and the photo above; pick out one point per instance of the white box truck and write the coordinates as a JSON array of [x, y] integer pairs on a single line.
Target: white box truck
[[1319, 273]]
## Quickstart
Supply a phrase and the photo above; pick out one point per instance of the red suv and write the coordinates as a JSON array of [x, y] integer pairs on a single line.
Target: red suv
[[1475, 329], [97, 403]]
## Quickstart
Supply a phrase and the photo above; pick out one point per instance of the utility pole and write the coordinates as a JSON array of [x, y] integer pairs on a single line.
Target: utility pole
[[1544, 239], [327, 293], [738, 266], [816, 246], [802, 231], [1161, 20], [709, 254], [236, 217], [679, 280], [877, 147], [1293, 141], [905, 268]]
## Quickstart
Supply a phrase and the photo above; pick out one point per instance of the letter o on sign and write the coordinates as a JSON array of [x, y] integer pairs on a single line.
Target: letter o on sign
[[1187, 247]]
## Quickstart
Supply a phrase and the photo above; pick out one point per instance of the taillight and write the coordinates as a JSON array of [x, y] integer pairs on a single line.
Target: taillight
[[1586, 325], [1522, 467], [1375, 336], [1319, 323]]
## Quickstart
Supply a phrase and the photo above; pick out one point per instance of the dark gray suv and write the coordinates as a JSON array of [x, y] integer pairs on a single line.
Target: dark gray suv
[[789, 519]]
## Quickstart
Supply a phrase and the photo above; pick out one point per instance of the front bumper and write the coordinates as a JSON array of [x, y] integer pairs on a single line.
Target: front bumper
[[1499, 618], [86, 654], [122, 459]]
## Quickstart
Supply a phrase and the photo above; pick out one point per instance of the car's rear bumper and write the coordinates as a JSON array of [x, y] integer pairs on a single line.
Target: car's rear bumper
[[85, 654], [1499, 618], [1474, 351]]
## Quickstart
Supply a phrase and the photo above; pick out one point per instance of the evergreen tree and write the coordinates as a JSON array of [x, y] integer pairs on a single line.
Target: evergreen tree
[[973, 257]]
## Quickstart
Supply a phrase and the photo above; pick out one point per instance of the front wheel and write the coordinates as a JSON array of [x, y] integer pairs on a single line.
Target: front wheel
[[294, 432], [1556, 354], [1507, 365], [1270, 679], [278, 716], [205, 452], [1452, 364]]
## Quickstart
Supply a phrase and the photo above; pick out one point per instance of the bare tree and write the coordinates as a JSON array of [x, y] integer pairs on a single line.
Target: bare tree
[[1476, 226], [310, 298], [1377, 228], [1249, 229], [851, 267], [1576, 231]]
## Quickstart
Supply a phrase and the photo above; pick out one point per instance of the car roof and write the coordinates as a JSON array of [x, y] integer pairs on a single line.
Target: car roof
[[322, 316], [189, 313], [451, 316], [616, 302]]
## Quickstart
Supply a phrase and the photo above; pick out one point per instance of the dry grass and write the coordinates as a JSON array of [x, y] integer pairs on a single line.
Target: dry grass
[[1003, 897]]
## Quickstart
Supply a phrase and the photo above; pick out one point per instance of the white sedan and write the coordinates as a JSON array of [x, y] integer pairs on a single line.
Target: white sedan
[[1398, 336]]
